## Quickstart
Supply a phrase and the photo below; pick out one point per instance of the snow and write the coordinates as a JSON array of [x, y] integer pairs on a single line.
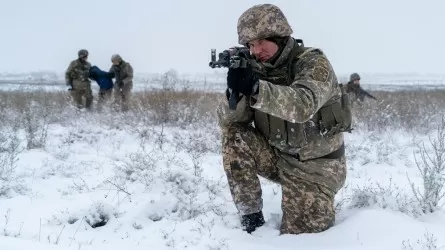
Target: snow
[[164, 188], [213, 82]]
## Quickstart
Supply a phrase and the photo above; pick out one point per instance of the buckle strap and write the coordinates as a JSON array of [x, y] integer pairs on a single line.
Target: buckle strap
[[337, 153]]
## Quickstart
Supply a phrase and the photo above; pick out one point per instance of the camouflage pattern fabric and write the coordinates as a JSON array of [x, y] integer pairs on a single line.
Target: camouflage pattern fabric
[[357, 94], [313, 85], [309, 180], [81, 91], [122, 96], [354, 76], [82, 53], [77, 74], [123, 73], [123, 84], [307, 207], [262, 21], [299, 159], [78, 70], [116, 57], [246, 154]]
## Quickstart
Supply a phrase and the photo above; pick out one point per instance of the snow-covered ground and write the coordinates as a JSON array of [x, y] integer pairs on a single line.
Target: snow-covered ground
[[111, 181]]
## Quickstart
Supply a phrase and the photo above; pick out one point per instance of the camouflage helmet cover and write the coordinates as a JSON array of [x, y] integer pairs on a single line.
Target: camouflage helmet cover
[[354, 76], [82, 53], [262, 21], [116, 57]]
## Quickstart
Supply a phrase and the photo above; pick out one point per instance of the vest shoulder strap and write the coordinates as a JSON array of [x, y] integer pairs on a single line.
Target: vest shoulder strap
[[297, 52]]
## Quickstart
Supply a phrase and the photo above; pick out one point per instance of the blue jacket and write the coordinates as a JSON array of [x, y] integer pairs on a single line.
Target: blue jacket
[[103, 78]]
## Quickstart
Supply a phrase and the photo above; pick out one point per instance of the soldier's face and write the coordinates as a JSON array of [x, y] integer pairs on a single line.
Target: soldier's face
[[263, 49], [115, 62], [356, 82]]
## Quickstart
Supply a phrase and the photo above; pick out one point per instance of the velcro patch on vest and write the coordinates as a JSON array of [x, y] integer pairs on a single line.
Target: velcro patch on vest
[[320, 74]]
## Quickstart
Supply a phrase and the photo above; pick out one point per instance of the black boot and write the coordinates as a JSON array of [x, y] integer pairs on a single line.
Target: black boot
[[251, 222]]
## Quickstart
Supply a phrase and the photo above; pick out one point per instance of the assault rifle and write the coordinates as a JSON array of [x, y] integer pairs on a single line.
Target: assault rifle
[[235, 57]]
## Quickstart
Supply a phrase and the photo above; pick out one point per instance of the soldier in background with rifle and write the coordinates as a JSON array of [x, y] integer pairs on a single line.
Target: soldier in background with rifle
[[356, 92]]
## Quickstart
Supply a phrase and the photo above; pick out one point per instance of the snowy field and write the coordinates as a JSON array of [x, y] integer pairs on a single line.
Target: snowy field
[[152, 178], [215, 82]]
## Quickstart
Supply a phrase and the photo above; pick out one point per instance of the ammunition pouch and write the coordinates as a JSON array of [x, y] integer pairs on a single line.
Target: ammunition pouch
[[336, 117]]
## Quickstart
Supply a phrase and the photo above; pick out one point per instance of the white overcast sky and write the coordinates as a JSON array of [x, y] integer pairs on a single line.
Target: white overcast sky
[[379, 36]]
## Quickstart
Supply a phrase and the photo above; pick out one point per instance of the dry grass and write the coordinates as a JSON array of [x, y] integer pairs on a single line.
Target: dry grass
[[417, 110], [183, 106], [412, 110]]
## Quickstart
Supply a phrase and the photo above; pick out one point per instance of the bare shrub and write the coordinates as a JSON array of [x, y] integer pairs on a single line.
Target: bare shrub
[[176, 107], [35, 111], [431, 166], [140, 167], [194, 196], [36, 128], [411, 110], [175, 102], [195, 145], [8, 232], [428, 242], [50, 104], [9, 152], [386, 197]]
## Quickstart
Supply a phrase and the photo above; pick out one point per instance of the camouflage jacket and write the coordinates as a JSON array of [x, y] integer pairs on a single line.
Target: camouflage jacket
[[123, 73], [287, 112], [78, 71]]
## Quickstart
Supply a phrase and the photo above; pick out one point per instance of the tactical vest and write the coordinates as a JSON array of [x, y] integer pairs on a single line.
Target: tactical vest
[[81, 72], [121, 72], [332, 118]]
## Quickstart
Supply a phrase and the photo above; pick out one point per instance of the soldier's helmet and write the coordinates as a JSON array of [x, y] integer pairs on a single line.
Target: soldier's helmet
[[82, 53], [116, 57], [354, 76], [262, 21]]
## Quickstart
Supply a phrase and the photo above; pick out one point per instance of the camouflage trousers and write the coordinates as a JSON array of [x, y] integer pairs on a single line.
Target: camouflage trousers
[[122, 96], [307, 207], [82, 90]]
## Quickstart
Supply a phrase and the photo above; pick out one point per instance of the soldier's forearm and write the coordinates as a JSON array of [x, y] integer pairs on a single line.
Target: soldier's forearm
[[271, 100], [311, 88]]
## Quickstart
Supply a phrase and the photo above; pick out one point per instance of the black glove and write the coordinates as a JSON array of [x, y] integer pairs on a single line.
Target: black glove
[[241, 80]]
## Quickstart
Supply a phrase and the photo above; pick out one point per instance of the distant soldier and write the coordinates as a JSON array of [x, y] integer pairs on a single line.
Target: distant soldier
[[356, 92], [77, 77], [123, 74]]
